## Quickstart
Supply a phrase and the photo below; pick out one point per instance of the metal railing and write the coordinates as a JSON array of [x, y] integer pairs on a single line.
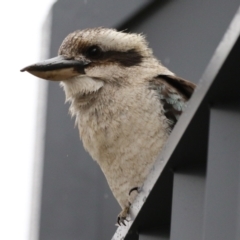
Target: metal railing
[[193, 190]]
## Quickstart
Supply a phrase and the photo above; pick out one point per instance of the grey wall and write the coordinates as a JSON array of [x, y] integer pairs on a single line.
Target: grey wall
[[76, 201]]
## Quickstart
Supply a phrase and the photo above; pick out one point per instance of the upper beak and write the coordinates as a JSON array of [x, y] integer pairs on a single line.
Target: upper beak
[[57, 69]]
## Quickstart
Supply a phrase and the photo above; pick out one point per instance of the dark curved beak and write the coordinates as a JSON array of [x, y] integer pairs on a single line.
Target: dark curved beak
[[57, 69]]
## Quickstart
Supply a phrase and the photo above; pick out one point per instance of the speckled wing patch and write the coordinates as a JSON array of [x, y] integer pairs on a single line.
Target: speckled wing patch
[[173, 93]]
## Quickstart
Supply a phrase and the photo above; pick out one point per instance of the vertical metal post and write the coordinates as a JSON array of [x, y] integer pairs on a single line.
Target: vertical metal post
[[223, 169], [188, 203]]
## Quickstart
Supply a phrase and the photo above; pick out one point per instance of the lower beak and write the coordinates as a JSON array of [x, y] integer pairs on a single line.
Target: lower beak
[[57, 69]]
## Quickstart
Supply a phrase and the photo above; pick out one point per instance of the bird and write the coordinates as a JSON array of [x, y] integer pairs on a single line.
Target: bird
[[125, 101]]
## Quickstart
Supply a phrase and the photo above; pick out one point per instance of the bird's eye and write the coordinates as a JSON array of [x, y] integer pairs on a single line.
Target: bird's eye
[[94, 52]]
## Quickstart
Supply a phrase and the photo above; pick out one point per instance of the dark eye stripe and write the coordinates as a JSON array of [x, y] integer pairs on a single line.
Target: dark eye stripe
[[126, 59]]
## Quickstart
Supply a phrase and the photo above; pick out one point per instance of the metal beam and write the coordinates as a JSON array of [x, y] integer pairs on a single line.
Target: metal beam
[[188, 142]]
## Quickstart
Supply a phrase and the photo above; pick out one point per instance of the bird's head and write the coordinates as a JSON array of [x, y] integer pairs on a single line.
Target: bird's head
[[91, 59]]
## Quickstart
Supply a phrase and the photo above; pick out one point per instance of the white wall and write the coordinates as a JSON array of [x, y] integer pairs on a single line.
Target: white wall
[[20, 45]]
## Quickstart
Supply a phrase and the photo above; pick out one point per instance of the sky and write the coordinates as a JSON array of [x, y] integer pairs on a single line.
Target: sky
[[20, 41]]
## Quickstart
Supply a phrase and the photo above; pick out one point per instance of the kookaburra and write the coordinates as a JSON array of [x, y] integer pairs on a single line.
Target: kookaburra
[[125, 101]]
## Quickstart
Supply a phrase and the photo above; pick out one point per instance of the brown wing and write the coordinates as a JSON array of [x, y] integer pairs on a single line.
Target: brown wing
[[173, 93], [181, 85]]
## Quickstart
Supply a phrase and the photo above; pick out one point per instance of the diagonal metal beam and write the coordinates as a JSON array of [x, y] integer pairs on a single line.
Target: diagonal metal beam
[[188, 142]]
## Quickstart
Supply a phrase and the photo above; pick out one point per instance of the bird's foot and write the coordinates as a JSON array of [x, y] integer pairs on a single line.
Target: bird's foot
[[134, 189], [122, 216]]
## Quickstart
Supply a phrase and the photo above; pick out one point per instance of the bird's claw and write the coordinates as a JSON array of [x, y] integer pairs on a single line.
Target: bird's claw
[[134, 189], [122, 217], [121, 221]]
